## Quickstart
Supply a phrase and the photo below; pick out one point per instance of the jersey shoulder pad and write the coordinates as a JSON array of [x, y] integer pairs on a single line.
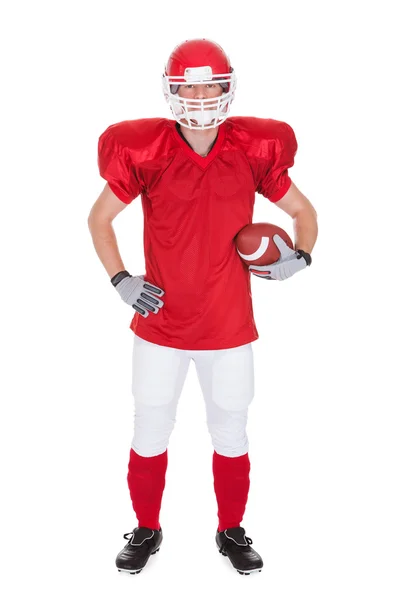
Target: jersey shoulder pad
[[140, 137], [254, 133]]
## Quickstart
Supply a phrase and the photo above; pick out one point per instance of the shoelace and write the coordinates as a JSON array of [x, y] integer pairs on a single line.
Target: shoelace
[[235, 546]]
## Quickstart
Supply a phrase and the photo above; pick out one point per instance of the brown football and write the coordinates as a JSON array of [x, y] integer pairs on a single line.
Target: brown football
[[256, 246]]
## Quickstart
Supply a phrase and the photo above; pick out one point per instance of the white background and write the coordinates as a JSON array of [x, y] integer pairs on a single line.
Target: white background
[[323, 505]]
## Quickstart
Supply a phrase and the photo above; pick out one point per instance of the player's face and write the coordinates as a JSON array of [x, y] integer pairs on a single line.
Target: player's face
[[200, 92]]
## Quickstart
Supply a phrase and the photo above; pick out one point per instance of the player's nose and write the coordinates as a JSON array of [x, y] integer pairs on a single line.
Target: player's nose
[[200, 93]]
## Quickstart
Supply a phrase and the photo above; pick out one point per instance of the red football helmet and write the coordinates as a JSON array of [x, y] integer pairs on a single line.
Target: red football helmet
[[199, 61]]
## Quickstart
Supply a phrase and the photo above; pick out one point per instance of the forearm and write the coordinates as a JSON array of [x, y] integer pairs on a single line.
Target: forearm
[[106, 246], [306, 230]]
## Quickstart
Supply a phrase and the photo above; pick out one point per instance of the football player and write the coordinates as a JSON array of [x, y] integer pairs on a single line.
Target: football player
[[197, 175]]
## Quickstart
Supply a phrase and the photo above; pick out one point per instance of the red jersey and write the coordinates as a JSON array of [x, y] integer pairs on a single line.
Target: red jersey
[[193, 208]]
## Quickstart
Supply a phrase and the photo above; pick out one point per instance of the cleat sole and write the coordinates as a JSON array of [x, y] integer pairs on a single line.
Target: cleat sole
[[130, 572]]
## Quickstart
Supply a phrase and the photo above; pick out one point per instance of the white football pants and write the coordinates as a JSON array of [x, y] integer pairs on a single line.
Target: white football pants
[[227, 382]]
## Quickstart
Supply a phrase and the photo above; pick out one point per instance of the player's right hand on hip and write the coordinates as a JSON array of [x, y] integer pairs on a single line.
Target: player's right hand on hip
[[143, 296]]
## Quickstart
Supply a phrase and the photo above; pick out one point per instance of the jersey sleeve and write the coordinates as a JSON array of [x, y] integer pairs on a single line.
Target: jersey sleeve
[[274, 180], [116, 167]]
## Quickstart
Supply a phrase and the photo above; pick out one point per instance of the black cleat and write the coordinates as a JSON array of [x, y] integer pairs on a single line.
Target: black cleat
[[142, 544], [236, 546]]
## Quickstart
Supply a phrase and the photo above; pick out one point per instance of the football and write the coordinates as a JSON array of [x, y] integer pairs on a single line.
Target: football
[[255, 244]]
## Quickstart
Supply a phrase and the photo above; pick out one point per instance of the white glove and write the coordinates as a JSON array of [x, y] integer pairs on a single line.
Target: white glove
[[143, 296], [290, 262]]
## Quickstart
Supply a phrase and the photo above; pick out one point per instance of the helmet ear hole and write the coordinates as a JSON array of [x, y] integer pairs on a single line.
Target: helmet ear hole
[[174, 88]]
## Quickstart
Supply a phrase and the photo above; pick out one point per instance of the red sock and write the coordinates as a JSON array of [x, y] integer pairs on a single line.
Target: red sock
[[231, 485], [146, 482]]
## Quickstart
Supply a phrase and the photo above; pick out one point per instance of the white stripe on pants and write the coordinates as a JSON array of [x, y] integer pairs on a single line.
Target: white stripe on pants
[[227, 381]]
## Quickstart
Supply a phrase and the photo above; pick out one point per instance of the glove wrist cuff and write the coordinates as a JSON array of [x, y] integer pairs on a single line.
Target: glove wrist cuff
[[305, 255], [119, 277]]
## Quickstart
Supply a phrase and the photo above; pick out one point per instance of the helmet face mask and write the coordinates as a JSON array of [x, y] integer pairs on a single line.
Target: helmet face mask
[[207, 112], [186, 67]]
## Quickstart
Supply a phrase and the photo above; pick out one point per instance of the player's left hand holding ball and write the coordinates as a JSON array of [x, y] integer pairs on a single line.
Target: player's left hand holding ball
[[290, 262]]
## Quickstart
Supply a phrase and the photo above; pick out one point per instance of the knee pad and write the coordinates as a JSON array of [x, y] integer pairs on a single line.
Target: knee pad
[[153, 426], [228, 431]]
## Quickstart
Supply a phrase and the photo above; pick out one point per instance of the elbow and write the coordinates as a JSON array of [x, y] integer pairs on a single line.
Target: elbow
[[93, 221], [98, 222], [93, 218], [90, 221]]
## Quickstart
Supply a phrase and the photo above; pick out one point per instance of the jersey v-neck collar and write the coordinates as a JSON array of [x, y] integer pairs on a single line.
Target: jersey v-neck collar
[[202, 161], [179, 130]]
